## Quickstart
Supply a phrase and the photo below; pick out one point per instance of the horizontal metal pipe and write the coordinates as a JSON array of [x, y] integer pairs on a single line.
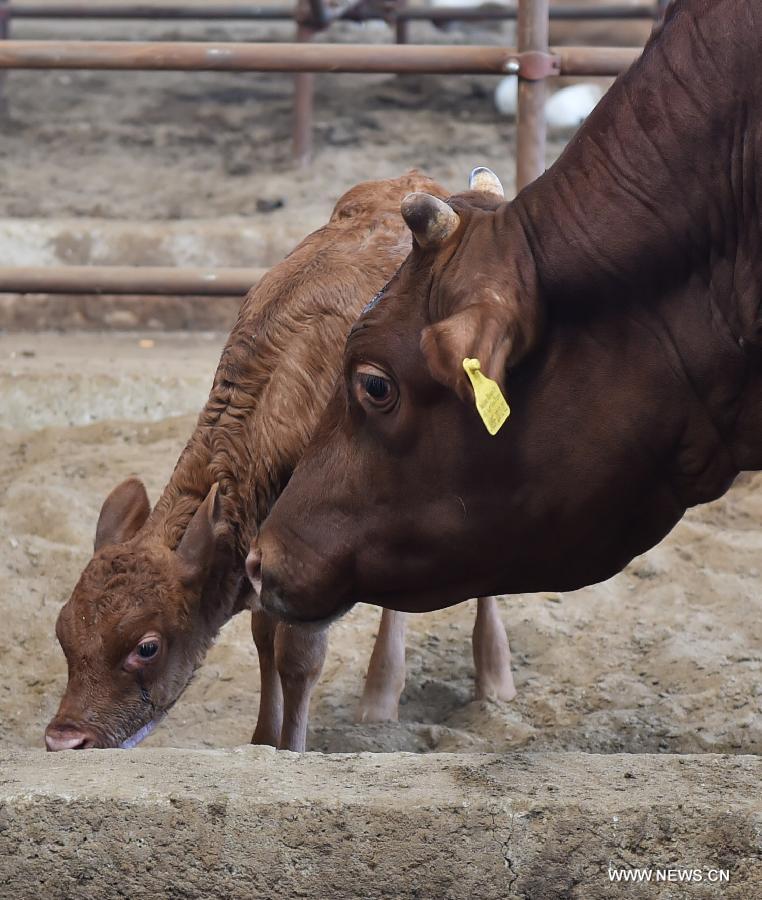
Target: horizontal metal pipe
[[253, 57], [495, 12], [147, 11], [586, 61], [337, 58], [136, 280], [487, 12]]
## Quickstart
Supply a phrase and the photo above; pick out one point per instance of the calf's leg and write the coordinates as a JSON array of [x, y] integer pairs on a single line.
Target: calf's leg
[[299, 657], [270, 718], [492, 654], [385, 680]]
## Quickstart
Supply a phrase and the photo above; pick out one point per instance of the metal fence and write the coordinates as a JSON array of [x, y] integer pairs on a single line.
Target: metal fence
[[532, 60]]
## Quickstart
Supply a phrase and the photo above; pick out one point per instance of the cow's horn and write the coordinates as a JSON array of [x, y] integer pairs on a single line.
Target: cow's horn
[[430, 219], [485, 180]]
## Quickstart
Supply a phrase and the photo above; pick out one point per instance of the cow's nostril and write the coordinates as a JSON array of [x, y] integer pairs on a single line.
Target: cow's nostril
[[67, 737]]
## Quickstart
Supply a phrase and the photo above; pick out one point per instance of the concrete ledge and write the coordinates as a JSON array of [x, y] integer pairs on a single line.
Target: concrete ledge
[[259, 240], [212, 243], [255, 823], [49, 379]]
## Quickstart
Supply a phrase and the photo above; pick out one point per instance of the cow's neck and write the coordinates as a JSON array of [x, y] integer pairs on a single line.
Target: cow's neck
[[649, 192]]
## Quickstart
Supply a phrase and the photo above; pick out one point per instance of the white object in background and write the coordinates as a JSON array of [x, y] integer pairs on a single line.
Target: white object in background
[[470, 3], [507, 95], [569, 107]]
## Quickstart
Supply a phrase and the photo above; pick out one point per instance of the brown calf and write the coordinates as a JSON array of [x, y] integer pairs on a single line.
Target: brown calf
[[162, 583]]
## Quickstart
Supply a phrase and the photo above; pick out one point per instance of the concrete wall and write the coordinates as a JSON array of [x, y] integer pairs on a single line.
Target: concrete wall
[[63, 380], [252, 823], [214, 243]]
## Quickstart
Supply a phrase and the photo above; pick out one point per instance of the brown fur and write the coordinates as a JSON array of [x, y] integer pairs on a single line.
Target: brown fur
[[179, 572]]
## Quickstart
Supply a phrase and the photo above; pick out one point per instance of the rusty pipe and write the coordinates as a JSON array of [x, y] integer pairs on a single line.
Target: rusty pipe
[[588, 61], [253, 57], [298, 57], [136, 280], [243, 12], [532, 37]]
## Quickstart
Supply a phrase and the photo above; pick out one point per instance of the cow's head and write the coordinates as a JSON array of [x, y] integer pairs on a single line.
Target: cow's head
[[377, 510], [135, 627]]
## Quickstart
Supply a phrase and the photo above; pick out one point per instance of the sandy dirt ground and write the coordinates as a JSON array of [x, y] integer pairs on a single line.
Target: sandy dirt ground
[[663, 658]]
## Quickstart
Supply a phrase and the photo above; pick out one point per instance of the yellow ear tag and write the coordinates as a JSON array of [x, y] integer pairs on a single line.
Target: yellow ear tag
[[490, 402]]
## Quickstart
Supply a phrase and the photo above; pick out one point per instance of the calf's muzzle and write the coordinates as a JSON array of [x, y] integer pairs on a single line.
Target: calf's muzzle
[[68, 736]]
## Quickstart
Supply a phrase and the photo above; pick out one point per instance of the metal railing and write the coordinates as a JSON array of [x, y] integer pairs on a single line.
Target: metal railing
[[532, 60]]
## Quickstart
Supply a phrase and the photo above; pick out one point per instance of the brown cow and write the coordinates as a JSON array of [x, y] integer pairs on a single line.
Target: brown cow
[[161, 584], [615, 301]]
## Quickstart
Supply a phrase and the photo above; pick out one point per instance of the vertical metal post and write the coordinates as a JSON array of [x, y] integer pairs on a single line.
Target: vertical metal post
[[401, 25], [531, 34], [5, 20], [5, 33], [304, 101]]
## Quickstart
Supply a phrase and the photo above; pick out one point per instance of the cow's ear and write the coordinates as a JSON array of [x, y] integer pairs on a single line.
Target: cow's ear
[[495, 330], [123, 513], [196, 549]]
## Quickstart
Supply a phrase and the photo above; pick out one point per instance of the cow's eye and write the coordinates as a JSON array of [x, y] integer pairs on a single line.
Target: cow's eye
[[375, 387]]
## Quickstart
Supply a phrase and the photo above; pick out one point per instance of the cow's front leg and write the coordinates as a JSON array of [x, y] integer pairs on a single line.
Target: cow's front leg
[[385, 680], [492, 653], [299, 656], [269, 720]]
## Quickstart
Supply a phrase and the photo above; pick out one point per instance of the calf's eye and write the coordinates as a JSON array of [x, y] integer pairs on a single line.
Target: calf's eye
[[144, 652], [148, 650]]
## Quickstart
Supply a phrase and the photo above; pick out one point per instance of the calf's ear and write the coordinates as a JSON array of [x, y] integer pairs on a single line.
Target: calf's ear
[[196, 549], [484, 180], [123, 513], [431, 220], [496, 330]]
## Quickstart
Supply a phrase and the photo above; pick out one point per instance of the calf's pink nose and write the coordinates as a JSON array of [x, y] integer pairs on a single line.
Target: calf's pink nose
[[67, 737]]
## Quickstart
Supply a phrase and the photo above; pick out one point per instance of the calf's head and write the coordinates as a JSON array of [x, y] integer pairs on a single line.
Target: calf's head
[[378, 508], [135, 627]]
